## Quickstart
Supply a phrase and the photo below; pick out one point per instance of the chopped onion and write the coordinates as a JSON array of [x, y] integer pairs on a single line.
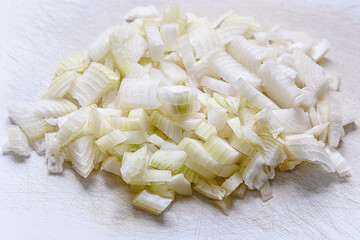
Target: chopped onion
[[18, 143], [82, 154], [210, 190], [156, 44], [133, 165], [112, 165], [96, 81], [76, 63], [232, 183], [139, 93], [111, 139], [181, 185], [151, 203], [225, 205], [167, 101], [240, 191], [168, 159]]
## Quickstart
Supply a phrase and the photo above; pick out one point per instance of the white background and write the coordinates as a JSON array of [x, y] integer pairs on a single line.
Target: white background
[[307, 203]]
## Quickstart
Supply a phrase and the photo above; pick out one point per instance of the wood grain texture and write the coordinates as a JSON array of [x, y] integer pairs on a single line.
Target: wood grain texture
[[308, 203]]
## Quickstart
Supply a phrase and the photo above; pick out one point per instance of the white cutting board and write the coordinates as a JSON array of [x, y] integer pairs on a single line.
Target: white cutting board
[[307, 203]]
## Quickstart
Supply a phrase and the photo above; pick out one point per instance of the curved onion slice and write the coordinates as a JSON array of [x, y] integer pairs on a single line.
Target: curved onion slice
[[100, 46], [278, 85], [127, 47], [94, 83], [221, 151], [195, 150], [76, 63], [168, 159], [166, 126], [111, 139], [70, 129], [247, 54], [309, 73], [306, 147], [62, 84], [230, 70], [169, 33], [54, 107]]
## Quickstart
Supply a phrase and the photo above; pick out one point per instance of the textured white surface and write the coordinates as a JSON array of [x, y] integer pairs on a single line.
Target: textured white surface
[[307, 203]]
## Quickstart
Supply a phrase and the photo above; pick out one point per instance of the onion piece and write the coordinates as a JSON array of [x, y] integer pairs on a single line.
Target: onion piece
[[18, 142], [151, 203]]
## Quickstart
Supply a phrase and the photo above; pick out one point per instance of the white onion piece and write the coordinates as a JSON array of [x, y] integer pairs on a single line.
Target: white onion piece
[[278, 85], [94, 83], [319, 50], [195, 150], [155, 139], [110, 140], [230, 70], [62, 84], [215, 85], [141, 12], [166, 126], [168, 159], [186, 52], [232, 26], [112, 165], [98, 124], [82, 153], [169, 33], [221, 151], [70, 129], [173, 72], [339, 161], [39, 145], [127, 47], [225, 205], [336, 130], [156, 44], [55, 163], [240, 191], [181, 185], [132, 165], [332, 72], [306, 147], [18, 142], [266, 191], [76, 63], [232, 183], [294, 120], [309, 73], [151, 203], [204, 40], [152, 175], [210, 190], [247, 54], [139, 93], [100, 46], [54, 107]]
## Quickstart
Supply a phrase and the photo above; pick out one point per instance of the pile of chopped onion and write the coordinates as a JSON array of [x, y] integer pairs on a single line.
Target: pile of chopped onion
[[173, 102]]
